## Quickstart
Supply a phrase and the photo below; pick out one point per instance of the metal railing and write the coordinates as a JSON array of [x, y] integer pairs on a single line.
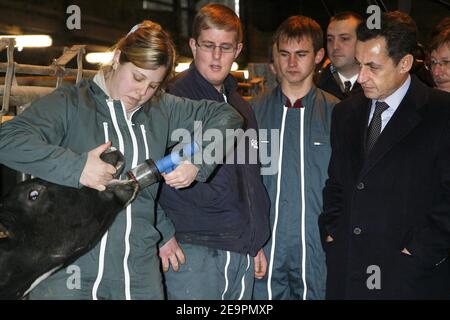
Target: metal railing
[[12, 93]]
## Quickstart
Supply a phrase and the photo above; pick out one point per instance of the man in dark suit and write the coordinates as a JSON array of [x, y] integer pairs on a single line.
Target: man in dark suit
[[386, 220], [339, 76]]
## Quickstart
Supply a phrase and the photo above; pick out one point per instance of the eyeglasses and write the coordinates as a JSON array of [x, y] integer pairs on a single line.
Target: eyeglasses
[[443, 64], [210, 47]]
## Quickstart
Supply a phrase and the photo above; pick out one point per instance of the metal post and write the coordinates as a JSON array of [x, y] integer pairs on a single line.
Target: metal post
[[80, 54], [9, 77]]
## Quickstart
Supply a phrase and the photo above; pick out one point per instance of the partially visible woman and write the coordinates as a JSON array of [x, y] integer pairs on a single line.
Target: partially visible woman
[[439, 60], [60, 137]]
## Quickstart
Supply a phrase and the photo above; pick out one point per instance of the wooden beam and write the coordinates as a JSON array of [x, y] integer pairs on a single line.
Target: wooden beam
[[69, 54], [45, 70], [21, 95]]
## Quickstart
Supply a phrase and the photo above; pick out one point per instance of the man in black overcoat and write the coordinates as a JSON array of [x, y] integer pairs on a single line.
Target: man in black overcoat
[[385, 226]]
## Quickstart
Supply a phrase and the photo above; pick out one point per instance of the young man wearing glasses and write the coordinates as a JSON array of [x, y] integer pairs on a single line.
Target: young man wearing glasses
[[220, 225]]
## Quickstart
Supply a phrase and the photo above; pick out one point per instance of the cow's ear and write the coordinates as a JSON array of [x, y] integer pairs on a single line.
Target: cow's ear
[[3, 232], [115, 158]]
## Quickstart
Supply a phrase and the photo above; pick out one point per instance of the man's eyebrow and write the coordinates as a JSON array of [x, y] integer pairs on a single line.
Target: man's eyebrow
[[444, 58], [212, 42], [339, 34], [370, 63], [297, 51]]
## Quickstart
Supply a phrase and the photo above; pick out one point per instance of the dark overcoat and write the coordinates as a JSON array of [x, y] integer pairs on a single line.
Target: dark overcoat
[[398, 196]]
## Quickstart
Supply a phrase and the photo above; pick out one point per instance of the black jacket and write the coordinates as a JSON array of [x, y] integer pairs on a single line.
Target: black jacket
[[398, 197], [230, 211], [326, 82]]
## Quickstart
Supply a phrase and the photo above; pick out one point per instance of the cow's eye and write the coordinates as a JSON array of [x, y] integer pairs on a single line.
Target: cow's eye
[[34, 194]]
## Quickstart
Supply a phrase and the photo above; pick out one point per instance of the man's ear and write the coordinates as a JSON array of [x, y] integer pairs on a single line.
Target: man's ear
[[406, 63], [272, 69], [193, 46], [319, 56], [238, 49]]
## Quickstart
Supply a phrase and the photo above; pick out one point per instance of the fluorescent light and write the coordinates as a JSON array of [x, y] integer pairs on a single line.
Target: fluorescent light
[[182, 66], [234, 66], [245, 72], [236, 7], [31, 41], [99, 57]]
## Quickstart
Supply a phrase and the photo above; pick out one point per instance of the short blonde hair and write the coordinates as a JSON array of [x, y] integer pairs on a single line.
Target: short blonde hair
[[217, 16]]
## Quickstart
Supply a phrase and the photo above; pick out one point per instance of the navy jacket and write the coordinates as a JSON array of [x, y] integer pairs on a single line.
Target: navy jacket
[[231, 210]]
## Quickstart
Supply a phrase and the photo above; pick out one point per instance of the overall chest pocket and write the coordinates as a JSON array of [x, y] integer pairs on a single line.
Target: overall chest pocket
[[319, 152], [319, 141]]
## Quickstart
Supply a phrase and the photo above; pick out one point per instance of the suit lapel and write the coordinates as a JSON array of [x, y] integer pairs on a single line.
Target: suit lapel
[[403, 121], [356, 128], [356, 88]]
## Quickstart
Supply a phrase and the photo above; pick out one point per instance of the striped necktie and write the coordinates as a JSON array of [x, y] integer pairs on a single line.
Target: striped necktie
[[374, 130]]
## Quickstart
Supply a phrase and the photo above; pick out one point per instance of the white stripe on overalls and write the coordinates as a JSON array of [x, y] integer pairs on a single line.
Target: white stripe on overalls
[[101, 258], [243, 278], [228, 252], [302, 187], [277, 203], [144, 136], [225, 271], [134, 163]]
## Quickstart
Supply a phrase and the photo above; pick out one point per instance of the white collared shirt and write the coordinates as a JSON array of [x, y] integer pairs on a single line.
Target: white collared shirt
[[393, 101]]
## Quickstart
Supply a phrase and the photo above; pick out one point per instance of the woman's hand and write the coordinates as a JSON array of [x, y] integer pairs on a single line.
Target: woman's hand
[[97, 173]]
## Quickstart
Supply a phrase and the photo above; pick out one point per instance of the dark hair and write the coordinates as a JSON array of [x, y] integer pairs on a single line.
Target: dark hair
[[443, 25], [398, 29], [219, 17], [298, 27], [346, 15]]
